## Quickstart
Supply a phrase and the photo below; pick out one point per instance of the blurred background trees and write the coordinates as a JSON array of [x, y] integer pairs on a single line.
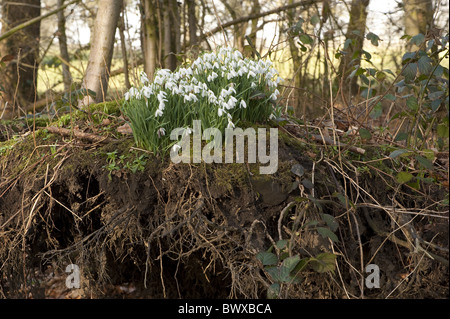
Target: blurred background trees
[[96, 44]]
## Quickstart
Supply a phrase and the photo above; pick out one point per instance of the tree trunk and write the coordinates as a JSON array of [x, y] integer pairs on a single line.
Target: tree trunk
[[100, 56], [192, 21], [418, 18], [150, 38], [19, 78], [170, 61], [358, 16], [62, 38], [296, 61], [123, 47]]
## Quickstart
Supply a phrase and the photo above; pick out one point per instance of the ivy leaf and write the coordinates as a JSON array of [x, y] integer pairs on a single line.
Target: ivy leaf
[[373, 38], [348, 42]]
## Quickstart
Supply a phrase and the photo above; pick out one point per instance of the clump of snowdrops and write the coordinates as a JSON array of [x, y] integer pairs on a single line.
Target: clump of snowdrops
[[219, 88]]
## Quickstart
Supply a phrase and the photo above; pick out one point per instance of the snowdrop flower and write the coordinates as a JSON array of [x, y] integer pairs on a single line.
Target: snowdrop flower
[[243, 104], [253, 85], [161, 132], [220, 112], [231, 102], [272, 117], [274, 95], [161, 96], [230, 124], [231, 74], [158, 113], [147, 91], [251, 74], [212, 77], [190, 97], [208, 65], [144, 78]]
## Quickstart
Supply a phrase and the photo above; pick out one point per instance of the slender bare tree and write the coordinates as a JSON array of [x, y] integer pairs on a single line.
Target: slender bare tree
[[100, 56], [64, 52], [355, 32]]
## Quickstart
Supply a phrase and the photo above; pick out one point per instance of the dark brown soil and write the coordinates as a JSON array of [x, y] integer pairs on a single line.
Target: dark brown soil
[[194, 230]]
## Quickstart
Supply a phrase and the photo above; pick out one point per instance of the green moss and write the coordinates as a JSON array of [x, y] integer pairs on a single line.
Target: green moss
[[110, 108]]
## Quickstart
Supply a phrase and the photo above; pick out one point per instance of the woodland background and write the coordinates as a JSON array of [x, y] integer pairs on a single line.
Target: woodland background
[[314, 44]]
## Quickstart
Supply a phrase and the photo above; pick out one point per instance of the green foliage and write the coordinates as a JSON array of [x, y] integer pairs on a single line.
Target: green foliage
[[283, 266], [220, 89], [130, 162]]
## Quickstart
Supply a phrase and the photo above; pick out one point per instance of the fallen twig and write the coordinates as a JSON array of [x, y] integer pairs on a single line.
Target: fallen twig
[[78, 134]]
